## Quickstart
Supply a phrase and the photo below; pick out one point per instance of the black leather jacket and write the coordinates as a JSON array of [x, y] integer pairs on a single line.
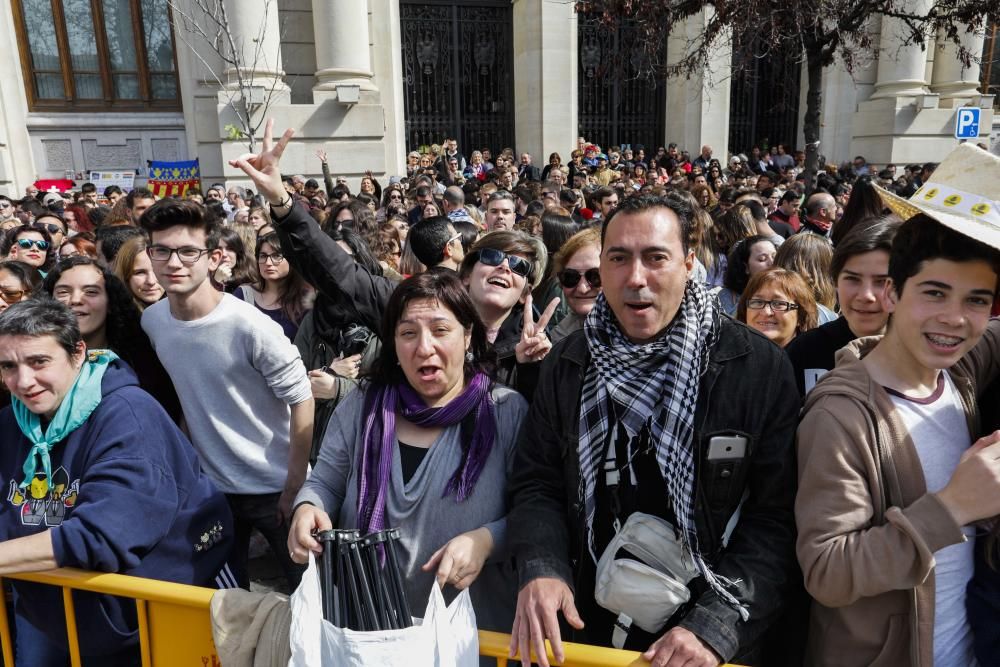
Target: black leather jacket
[[748, 389]]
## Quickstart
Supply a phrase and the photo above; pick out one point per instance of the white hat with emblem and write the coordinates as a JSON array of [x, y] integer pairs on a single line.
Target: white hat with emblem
[[962, 194]]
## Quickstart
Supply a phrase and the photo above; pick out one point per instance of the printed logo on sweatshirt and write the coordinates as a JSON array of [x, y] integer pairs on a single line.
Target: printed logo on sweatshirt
[[44, 502]]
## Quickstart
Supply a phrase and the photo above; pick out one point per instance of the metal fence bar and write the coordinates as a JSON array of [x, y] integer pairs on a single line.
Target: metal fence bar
[[5, 635], [72, 636], [143, 616], [151, 596], [497, 645]]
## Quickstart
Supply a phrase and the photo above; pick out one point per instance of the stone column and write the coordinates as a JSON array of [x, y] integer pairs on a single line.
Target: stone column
[[256, 33], [343, 50], [902, 68], [698, 107], [545, 76], [950, 78]]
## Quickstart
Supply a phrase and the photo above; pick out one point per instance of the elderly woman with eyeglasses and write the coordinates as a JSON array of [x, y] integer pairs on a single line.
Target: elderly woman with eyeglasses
[[779, 304]]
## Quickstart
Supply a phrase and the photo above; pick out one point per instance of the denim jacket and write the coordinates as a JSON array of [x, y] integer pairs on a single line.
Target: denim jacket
[[748, 389]]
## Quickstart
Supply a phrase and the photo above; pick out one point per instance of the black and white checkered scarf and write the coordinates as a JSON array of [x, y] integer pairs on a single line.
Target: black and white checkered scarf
[[655, 385]]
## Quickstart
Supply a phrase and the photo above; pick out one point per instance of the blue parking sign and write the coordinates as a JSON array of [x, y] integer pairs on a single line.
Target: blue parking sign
[[967, 123]]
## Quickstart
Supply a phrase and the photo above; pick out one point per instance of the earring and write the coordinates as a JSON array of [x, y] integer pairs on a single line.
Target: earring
[[469, 356]]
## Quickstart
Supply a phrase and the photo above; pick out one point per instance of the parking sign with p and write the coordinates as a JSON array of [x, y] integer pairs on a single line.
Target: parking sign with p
[[967, 123]]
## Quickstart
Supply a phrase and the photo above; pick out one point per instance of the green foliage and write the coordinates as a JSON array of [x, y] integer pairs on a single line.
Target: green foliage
[[234, 132]]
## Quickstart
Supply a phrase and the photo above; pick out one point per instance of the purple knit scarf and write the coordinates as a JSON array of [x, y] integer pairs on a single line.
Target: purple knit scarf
[[381, 404]]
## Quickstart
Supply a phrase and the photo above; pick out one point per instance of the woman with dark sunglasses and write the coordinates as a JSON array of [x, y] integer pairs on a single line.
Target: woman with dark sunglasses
[[500, 292], [576, 266], [31, 244], [17, 283]]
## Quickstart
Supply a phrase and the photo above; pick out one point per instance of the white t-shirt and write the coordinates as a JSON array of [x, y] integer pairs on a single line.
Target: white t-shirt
[[940, 432], [235, 374]]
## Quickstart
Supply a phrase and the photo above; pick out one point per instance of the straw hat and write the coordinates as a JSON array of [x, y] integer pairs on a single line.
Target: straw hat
[[962, 194]]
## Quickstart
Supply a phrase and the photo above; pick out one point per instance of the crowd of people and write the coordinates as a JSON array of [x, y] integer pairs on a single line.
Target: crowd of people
[[699, 408]]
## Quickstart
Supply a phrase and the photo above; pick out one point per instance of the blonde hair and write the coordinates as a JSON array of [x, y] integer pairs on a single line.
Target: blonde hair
[[811, 256], [124, 265], [574, 244]]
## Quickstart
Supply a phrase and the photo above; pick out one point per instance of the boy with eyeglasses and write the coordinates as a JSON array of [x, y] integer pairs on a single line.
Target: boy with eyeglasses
[[245, 394]]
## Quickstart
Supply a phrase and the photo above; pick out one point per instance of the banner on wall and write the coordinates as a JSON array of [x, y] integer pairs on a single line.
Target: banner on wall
[[173, 179], [102, 179]]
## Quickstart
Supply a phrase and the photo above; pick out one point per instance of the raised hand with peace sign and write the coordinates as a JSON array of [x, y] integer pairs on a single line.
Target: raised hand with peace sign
[[262, 168], [534, 343]]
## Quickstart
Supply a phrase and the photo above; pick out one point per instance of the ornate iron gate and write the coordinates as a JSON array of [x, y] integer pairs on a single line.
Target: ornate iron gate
[[619, 101], [764, 103], [458, 72]]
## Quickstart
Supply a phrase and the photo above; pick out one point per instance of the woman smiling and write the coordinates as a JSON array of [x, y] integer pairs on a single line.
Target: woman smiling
[[779, 304], [108, 318]]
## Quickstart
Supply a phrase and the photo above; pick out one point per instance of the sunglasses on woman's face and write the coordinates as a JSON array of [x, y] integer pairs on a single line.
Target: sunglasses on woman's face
[[570, 278], [11, 295], [26, 244], [494, 257]]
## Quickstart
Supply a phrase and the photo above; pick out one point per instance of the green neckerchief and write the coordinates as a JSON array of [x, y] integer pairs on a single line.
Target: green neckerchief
[[76, 407]]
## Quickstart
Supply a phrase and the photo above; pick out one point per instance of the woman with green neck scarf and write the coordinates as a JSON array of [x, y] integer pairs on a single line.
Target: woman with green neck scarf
[[96, 476]]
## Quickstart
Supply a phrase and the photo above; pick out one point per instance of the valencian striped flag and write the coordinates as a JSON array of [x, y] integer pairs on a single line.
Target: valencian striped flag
[[172, 179]]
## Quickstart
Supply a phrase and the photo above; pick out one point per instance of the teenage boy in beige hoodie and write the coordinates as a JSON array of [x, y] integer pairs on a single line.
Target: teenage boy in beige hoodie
[[890, 482]]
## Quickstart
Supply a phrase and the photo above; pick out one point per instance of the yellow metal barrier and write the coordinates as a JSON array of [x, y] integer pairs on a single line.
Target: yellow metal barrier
[[175, 628], [174, 623]]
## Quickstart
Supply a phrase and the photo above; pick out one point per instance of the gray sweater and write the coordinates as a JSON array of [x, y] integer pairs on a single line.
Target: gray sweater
[[425, 519], [236, 374]]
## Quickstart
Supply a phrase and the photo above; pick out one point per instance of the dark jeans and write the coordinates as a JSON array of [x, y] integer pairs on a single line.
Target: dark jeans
[[260, 512], [34, 649]]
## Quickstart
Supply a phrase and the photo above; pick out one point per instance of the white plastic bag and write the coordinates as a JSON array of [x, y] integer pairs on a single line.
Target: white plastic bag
[[446, 637]]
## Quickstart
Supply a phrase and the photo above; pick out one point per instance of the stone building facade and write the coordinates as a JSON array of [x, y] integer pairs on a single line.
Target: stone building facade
[[368, 80]]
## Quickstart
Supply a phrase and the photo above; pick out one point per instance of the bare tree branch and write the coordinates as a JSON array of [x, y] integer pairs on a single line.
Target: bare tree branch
[[209, 23], [822, 31]]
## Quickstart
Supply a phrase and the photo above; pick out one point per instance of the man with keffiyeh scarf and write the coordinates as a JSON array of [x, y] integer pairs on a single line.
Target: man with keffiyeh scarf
[[656, 374]]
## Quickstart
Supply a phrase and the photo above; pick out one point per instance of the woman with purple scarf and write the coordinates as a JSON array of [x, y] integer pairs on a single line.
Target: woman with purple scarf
[[425, 446]]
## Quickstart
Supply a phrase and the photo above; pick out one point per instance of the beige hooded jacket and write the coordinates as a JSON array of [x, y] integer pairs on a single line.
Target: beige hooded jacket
[[867, 527]]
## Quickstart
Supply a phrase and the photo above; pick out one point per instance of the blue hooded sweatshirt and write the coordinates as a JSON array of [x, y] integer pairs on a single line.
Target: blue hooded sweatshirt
[[127, 495]]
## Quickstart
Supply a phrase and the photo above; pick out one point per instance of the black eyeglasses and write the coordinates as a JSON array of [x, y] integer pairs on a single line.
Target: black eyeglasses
[[26, 244], [776, 305], [275, 258], [494, 257], [570, 278], [53, 228], [188, 254]]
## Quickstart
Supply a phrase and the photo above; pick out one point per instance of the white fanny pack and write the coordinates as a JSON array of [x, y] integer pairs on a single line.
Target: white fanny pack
[[643, 575]]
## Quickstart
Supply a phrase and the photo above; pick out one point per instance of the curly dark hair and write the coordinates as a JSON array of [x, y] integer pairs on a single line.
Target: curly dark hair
[[124, 333]]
